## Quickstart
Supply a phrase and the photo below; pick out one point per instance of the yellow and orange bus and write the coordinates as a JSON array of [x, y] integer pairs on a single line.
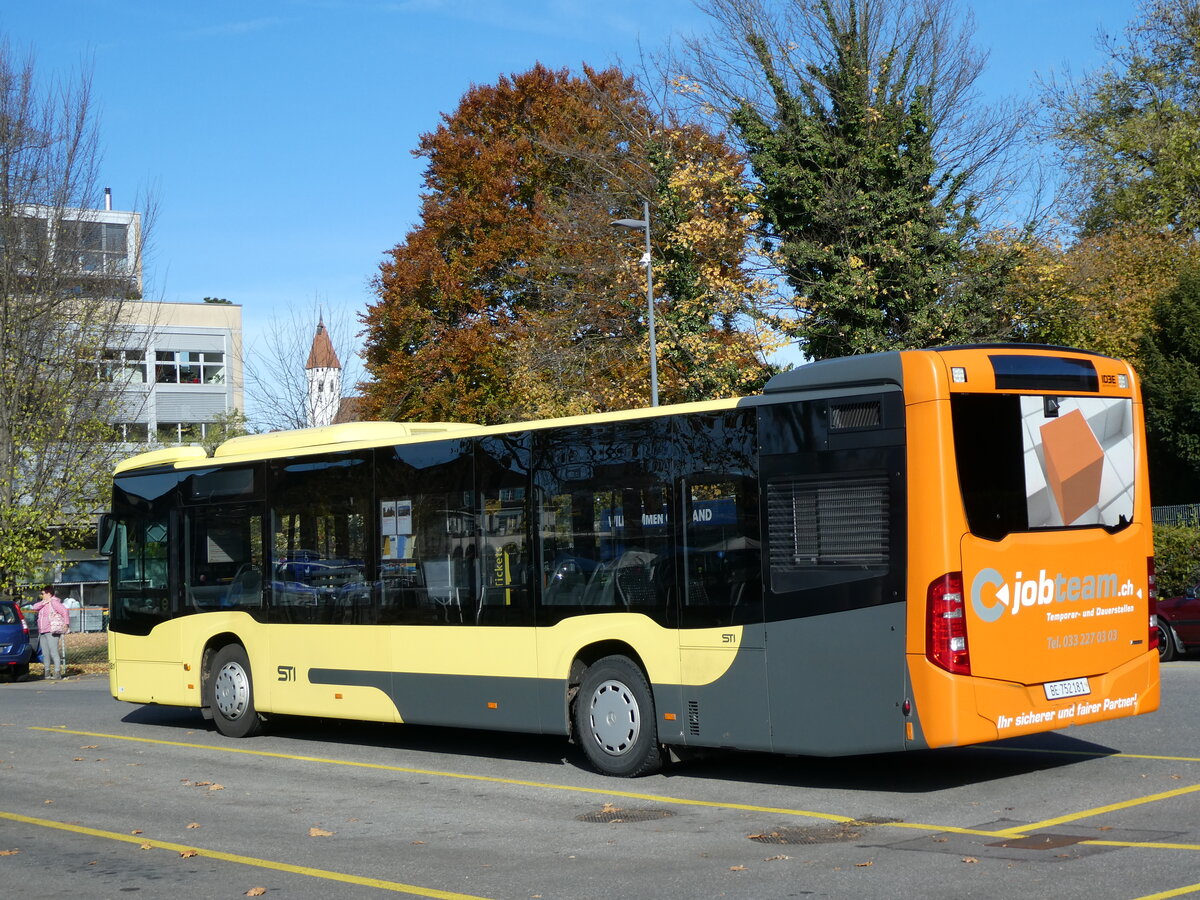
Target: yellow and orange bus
[[905, 550]]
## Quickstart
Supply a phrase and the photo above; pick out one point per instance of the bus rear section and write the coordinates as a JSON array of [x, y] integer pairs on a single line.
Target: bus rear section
[[1031, 544]]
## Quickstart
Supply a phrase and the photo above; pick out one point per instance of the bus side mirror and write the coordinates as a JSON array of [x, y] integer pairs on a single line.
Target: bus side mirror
[[104, 535]]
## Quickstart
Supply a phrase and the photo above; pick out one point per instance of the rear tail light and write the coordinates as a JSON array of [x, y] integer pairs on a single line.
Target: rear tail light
[[946, 625], [1152, 593]]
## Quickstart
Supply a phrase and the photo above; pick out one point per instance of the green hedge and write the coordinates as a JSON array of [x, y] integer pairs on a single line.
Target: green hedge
[[1176, 558]]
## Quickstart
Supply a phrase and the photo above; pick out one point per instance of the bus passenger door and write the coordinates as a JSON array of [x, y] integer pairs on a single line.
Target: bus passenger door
[[721, 634]]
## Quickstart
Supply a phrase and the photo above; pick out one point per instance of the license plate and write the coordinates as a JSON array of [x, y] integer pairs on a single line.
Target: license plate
[[1072, 687]]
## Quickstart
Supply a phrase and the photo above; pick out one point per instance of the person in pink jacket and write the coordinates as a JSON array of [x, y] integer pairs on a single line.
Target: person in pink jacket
[[53, 621]]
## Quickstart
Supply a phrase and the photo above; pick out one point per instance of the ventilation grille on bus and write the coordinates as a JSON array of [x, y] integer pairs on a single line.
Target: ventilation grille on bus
[[694, 717], [834, 522], [855, 415]]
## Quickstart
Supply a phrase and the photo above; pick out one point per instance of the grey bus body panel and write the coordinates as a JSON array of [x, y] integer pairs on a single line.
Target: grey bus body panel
[[461, 701], [856, 703], [829, 375]]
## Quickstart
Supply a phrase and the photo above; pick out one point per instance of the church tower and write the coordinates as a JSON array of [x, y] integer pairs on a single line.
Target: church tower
[[324, 379]]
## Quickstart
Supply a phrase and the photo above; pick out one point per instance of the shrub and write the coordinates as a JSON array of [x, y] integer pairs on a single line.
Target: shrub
[[1176, 558]]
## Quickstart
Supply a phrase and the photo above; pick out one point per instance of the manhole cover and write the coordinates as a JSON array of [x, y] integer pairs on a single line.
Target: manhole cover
[[1041, 841], [615, 816], [819, 834]]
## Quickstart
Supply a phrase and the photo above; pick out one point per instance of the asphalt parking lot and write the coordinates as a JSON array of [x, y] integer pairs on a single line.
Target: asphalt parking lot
[[101, 799]]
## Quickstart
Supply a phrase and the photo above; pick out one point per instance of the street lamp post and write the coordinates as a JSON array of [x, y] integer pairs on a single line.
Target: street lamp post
[[644, 224]]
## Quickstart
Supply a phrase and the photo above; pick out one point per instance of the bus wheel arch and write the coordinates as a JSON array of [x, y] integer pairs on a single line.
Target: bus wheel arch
[[228, 688], [613, 712]]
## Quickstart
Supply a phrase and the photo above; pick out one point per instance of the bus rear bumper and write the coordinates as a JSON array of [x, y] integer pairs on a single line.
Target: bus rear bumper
[[1003, 709]]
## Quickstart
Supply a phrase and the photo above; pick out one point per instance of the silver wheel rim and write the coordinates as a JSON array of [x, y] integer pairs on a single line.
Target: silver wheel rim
[[232, 690], [615, 718]]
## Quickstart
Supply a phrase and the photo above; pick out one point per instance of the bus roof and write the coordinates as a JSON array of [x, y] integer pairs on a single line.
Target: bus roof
[[358, 435], [841, 372]]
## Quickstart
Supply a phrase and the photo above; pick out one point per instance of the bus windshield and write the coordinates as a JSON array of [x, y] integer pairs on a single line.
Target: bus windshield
[[1029, 462]]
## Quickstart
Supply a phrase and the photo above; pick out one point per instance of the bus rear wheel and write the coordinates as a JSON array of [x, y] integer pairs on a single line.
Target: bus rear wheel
[[229, 693], [614, 719]]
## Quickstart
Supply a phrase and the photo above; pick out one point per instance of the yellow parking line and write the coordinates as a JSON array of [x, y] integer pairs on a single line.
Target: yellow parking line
[[140, 840], [1177, 892], [1099, 810]]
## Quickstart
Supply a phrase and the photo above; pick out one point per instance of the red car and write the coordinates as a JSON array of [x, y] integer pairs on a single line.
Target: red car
[[1179, 624]]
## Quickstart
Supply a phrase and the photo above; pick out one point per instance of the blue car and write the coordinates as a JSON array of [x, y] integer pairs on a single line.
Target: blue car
[[15, 649]]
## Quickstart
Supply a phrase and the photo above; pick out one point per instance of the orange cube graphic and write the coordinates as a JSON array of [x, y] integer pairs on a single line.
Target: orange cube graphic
[[1074, 463]]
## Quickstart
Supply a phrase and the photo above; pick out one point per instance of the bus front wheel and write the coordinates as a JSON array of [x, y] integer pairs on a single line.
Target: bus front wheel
[[614, 719], [229, 693]]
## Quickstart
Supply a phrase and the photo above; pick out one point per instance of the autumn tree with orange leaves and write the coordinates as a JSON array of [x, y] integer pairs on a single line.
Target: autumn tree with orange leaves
[[515, 298]]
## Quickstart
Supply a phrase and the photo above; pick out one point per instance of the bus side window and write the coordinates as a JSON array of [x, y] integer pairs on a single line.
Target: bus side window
[[425, 507], [722, 552], [319, 540], [140, 595], [223, 558], [606, 523], [502, 468]]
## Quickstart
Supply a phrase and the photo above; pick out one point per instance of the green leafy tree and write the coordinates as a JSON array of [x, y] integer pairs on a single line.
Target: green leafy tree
[[1170, 354], [869, 187], [1131, 130]]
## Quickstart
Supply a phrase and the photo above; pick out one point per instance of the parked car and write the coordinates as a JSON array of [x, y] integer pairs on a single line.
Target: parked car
[[15, 647], [1179, 624]]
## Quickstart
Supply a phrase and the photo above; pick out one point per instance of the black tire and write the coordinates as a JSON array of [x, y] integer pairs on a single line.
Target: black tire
[[615, 721], [229, 693], [1166, 642], [20, 671]]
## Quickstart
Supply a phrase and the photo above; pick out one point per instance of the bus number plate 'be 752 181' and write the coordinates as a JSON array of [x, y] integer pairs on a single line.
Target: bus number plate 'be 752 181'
[[1072, 687]]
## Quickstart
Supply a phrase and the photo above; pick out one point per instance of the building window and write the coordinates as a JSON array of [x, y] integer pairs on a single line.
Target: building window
[[180, 432], [130, 432], [189, 367], [123, 366], [24, 238], [96, 247]]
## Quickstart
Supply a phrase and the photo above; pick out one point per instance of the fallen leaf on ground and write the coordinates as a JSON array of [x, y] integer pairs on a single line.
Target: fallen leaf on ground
[[864, 864], [194, 825], [256, 892], [147, 846], [136, 831], [188, 854], [9, 852], [737, 868], [970, 859], [216, 787], [319, 832]]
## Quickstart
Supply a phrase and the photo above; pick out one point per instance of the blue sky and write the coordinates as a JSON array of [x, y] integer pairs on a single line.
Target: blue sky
[[276, 136]]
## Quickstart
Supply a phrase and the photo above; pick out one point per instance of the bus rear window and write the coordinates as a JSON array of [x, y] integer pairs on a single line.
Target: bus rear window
[[1033, 462]]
